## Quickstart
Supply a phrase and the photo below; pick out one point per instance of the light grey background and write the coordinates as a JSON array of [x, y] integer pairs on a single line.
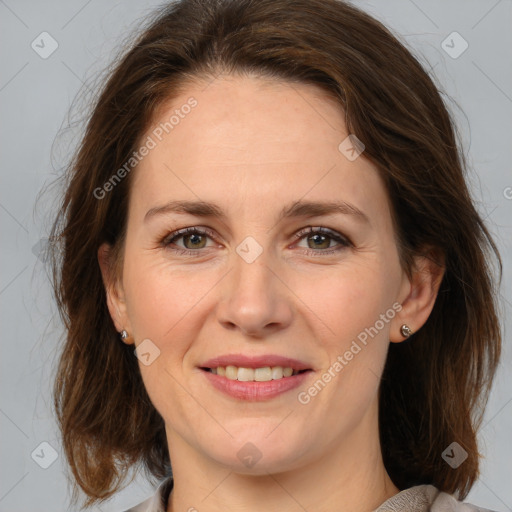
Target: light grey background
[[35, 97]]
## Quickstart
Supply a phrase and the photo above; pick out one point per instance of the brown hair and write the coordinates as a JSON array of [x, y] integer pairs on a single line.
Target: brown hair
[[435, 386]]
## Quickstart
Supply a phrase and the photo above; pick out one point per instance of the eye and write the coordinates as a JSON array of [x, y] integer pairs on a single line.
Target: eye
[[319, 240], [193, 239]]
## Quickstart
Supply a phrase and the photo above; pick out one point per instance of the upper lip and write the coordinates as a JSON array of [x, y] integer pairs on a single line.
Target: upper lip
[[240, 360]]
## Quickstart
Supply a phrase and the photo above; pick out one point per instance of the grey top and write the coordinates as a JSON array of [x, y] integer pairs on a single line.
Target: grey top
[[420, 498]]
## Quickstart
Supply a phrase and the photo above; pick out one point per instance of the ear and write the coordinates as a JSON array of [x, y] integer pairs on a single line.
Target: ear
[[418, 293], [114, 290]]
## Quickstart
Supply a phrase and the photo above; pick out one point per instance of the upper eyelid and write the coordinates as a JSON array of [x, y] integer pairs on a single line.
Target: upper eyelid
[[184, 231], [322, 230]]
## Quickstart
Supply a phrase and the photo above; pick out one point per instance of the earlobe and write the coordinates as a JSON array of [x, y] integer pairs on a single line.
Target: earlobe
[[421, 289], [113, 290]]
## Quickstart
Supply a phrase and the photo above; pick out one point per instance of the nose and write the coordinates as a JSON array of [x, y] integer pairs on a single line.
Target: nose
[[255, 300]]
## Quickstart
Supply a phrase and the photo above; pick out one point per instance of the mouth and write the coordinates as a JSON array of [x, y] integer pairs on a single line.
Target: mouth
[[261, 374], [255, 377], [255, 384]]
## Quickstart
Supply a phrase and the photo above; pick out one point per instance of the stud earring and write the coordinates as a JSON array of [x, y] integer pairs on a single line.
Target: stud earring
[[123, 334], [405, 331]]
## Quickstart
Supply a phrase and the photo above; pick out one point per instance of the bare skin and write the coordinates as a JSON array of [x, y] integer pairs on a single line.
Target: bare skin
[[253, 147]]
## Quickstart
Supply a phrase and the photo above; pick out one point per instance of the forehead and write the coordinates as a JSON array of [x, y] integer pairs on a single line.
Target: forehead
[[253, 141]]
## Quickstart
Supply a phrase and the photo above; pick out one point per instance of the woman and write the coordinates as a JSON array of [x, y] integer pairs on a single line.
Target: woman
[[273, 276]]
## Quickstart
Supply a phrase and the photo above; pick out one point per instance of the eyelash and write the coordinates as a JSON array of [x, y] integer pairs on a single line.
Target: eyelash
[[176, 235]]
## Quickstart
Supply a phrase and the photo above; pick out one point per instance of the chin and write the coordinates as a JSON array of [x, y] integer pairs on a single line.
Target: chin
[[260, 453]]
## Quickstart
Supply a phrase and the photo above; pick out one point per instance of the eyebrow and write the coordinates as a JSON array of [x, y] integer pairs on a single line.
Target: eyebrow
[[296, 209]]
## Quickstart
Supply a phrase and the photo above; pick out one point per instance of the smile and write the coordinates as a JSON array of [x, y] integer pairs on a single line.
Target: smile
[[263, 374], [241, 383]]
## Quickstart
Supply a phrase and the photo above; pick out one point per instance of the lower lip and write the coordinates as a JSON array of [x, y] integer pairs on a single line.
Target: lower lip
[[255, 391]]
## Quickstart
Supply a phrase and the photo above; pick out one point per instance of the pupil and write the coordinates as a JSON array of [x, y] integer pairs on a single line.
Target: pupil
[[195, 239], [321, 239]]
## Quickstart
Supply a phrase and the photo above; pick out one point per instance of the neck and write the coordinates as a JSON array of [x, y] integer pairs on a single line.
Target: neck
[[349, 476]]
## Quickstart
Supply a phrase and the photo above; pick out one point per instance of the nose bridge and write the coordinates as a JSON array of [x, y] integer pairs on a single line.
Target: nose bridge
[[254, 300]]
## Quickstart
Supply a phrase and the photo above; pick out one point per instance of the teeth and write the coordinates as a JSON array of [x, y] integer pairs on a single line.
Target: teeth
[[231, 372], [287, 372], [277, 372], [264, 374]]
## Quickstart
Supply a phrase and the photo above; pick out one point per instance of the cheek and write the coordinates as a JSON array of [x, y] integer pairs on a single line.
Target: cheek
[[164, 306], [160, 299], [349, 299], [354, 312]]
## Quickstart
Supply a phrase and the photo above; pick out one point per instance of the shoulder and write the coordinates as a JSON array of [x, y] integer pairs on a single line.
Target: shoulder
[[157, 502], [426, 498], [420, 498]]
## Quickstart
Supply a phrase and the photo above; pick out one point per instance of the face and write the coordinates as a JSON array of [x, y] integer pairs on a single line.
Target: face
[[267, 269]]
